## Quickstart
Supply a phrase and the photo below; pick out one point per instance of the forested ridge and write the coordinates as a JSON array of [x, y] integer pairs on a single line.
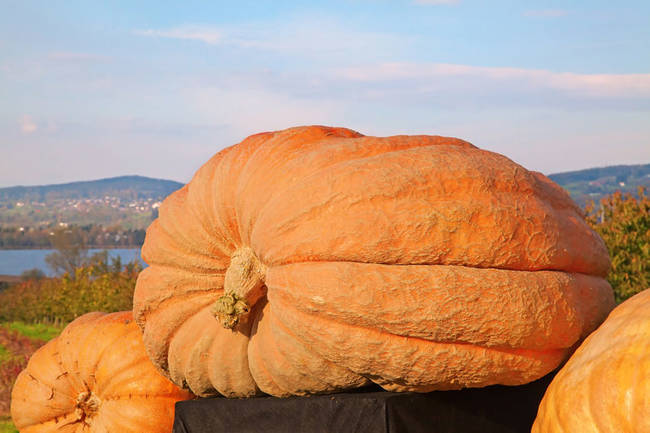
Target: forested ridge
[[111, 213], [121, 187], [593, 184]]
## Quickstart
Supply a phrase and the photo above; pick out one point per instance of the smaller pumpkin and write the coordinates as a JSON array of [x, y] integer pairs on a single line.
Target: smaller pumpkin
[[94, 377], [605, 385]]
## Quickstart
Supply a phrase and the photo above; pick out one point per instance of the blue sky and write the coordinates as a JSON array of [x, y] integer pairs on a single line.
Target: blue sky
[[91, 90]]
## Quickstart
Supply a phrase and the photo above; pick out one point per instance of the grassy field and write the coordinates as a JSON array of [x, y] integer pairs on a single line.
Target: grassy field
[[6, 426], [37, 331], [18, 341]]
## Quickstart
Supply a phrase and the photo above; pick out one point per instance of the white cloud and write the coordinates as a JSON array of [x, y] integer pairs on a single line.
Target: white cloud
[[248, 107], [319, 37], [437, 2], [546, 13], [27, 125], [437, 74], [74, 56], [208, 35]]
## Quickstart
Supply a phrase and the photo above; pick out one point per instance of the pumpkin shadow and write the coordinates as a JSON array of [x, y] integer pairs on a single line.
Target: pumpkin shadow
[[254, 317]]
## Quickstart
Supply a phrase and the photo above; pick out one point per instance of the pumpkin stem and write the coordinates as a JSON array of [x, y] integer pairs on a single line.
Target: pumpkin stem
[[87, 405], [243, 287]]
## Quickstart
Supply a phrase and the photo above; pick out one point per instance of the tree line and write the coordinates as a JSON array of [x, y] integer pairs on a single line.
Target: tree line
[[90, 236], [623, 221]]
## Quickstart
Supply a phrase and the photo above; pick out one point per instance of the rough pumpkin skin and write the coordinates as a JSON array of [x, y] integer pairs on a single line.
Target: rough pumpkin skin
[[315, 259], [94, 377], [605, 385]]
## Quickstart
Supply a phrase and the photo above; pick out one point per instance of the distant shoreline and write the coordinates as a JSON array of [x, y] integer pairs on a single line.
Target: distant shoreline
[[89, 247], [9, 278], [15, 262]]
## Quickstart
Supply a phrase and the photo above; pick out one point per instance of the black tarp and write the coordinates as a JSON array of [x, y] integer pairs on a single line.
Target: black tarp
[[492, 409]]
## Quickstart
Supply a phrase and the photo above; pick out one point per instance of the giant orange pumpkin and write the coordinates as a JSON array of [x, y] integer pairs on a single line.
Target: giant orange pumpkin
[[605, 385], [316, 259], [94, 377]]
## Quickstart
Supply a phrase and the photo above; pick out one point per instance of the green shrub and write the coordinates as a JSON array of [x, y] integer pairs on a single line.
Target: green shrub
[[623, 221], [96, 286]]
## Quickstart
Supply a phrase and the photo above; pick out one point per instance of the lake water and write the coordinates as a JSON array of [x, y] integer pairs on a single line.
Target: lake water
[[14, 262]]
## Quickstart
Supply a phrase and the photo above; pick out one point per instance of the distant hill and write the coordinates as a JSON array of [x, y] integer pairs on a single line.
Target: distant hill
[[130, 202], [595, 183], [123, 187]]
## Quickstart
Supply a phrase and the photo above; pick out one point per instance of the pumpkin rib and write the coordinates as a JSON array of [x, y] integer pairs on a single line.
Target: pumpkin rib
[[495, 349], [49, 423], [229, 384], [275, 245], [338, 290], [258, 368], [186, 238], [363, 149], [270, 351], [114, 381], [375, 153], [101, 428], [119, 338], [181, 357], [187, 364], [43, 382], [56, 355], [200, 208], [261, 154], [167, 310], [119, 424], [590, 402], [291, 378], [190, 274], [63, 375], [165, 301], [563, 205], [280, 325], [331, 256], [536, 363], [199, 354], [370, 146], [69, 337], [309, 262], [147, 396], [154, 297], [25, 391], [236, 159], [555, 415], [175, 257], [277, 325]]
